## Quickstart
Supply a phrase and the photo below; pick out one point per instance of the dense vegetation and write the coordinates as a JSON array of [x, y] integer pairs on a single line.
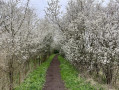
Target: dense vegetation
[[71, 77], [25, 42], [89, 40], [86, 35], [36, 79]]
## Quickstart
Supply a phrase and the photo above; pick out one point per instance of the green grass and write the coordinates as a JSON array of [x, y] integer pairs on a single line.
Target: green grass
[[70, 76], [36, 79]]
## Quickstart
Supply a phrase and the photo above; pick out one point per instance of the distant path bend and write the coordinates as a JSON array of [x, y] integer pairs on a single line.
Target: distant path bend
[[53, 77]]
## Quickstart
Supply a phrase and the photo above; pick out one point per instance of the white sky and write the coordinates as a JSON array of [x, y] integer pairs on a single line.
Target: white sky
[[39, 5]]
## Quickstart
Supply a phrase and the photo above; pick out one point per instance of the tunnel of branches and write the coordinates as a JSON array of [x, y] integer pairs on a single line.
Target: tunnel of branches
[[86, 35]]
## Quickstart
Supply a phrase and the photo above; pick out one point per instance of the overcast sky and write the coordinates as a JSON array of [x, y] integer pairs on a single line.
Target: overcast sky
[[39, 5]]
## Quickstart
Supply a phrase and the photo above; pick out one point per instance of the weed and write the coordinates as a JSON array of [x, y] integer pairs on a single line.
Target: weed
[[36, 79]]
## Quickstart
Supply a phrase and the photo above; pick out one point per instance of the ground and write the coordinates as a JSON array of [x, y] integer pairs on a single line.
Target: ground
[[53, 77]]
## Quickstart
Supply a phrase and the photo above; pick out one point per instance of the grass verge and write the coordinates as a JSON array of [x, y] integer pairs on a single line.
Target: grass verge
[[70, 76], [36, 79]]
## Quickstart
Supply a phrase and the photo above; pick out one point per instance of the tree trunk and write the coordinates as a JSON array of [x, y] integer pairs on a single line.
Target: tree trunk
[[109, 74], [11, 70]]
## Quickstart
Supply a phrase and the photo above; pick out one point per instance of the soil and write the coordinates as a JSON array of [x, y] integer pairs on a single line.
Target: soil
[[53, 77]]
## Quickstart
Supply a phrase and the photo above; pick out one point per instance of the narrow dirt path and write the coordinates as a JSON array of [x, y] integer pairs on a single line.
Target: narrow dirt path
[[53, 77]]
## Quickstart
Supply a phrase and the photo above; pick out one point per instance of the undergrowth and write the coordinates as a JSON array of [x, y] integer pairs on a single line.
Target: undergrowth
[[70, 76], [36, 79]]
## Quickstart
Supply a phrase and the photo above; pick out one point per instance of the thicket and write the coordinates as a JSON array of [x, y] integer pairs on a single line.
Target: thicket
[[86, 35], [36, 79], [89, 36], [25, 42], [70, 75]]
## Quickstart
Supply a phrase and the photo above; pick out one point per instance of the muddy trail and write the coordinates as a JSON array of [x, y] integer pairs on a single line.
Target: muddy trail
[[53, 77]]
